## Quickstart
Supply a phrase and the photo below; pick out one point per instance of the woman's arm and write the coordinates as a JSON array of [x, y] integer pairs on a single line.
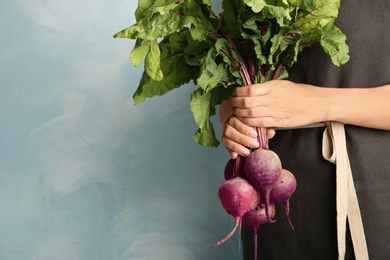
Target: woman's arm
[[366, 107], [282, 103]]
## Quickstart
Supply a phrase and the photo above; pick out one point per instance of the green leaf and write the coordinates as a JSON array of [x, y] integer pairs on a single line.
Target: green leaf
[[149, 88], [214, 69], [333, 41], [313, 24], [259, 50], [314, 15], [202, 111], [205, 21], [154, 20], [195, 51], [174, 69], [144, 6], [283, 73], [280, 49], [270, 9], [230, 59], [137, 55], [162, 18], [222, 92], [256, 5], [211, 75], [152, 62], [206, 2], [232, 8]]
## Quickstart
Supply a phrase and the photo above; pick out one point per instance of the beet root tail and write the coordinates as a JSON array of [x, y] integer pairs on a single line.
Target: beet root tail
[[287, 212], [223, 240], [255, 243], [267, 207]]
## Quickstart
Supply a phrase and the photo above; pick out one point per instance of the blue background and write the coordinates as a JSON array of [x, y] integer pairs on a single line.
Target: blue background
[[85, 174]]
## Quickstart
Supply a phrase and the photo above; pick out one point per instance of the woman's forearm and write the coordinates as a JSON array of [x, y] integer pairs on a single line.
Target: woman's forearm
[[366, 107]]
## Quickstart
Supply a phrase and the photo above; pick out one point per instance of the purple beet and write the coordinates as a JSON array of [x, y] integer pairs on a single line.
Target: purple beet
[[263, 169], [234, 168], [283, 190], [238, 197], [255, 218]]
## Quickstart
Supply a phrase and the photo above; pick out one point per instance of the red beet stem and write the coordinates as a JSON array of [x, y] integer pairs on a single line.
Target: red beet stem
[[237, 167]]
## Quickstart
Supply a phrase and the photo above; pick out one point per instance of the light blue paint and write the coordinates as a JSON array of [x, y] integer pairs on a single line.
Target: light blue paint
[[84, 174]]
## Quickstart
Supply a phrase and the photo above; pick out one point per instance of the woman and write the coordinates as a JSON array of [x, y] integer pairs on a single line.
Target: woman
[[356, 94]]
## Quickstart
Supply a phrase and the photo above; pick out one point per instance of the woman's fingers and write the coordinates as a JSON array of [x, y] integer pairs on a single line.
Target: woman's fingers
[[234, 149], [270, 133], [238, 137], [254, 90], [252, 112]]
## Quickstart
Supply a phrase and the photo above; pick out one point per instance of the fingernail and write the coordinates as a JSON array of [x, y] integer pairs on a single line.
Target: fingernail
[[245, 152], [254, 144], [252, 133]]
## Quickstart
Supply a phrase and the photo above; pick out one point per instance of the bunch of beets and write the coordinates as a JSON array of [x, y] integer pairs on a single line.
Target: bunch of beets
[[253, 185]]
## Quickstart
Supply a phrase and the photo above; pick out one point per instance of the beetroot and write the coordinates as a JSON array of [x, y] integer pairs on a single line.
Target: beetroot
[[249, 178], [238, 197], [255, 218], [263, 169], [258, 216], [234, 168], [229, 169], [283, 190]]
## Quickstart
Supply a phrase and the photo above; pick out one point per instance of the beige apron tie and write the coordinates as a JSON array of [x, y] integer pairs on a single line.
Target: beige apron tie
[[334, 149]]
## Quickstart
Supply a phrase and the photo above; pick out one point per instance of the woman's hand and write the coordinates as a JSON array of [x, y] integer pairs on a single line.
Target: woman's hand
[[239, 138], [278, 103], [285, 104]]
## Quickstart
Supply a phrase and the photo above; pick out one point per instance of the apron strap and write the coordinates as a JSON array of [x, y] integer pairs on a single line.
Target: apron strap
[[334, 149]]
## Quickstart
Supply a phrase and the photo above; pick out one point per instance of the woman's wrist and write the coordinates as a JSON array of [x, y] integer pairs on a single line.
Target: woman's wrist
[[366, 107]]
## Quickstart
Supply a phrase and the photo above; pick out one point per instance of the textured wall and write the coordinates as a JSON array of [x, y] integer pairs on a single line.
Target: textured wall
[[84, 174]]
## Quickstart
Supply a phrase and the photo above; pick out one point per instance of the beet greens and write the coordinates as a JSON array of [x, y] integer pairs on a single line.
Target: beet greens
[[251, 41]]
